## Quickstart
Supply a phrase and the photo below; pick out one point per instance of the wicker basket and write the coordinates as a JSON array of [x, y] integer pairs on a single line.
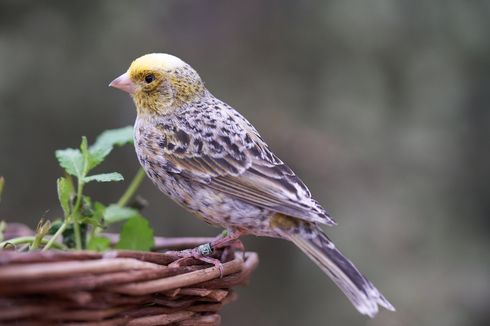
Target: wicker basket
[[119, 287]]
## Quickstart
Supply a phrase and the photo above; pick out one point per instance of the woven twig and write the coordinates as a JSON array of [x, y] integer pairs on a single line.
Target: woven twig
[[118, 287]]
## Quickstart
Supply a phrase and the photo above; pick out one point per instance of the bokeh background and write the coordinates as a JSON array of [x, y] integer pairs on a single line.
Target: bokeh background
[[382, 107]]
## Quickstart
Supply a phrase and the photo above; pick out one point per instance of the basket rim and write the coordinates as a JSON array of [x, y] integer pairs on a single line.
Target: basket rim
[[116, 286]]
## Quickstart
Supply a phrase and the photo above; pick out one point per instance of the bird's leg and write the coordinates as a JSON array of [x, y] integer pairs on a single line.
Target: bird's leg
[[227, 237], [201, 253], [230, 241], [205, 250]]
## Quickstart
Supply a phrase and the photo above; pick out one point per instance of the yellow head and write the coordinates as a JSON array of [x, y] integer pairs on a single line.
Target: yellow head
[[160, 83]]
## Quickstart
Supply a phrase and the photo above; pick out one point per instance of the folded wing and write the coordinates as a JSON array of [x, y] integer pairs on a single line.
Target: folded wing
[[235, 160]]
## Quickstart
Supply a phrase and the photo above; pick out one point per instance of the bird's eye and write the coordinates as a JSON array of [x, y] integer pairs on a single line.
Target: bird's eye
[[149, 78]]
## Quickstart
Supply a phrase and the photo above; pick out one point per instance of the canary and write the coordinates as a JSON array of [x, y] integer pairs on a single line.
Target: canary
[[209, 159]]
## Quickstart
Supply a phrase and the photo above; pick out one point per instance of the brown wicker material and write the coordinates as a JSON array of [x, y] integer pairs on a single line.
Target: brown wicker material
[[118, 287]]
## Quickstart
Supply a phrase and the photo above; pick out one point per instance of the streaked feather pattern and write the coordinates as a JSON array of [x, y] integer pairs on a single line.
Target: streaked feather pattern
[[234, 159], [208, 158]]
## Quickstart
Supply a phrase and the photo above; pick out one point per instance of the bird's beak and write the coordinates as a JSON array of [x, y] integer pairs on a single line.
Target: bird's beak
[[124, 83]]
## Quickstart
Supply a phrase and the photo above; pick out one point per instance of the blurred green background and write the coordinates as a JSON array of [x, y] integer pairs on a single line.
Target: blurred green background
[[382, 107]]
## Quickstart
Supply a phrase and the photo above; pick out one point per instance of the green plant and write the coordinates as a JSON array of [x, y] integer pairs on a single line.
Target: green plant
[[83, 218]]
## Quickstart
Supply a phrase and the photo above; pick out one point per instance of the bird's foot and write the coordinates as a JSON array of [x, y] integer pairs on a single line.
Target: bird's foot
[[201, 253], [204, 251]]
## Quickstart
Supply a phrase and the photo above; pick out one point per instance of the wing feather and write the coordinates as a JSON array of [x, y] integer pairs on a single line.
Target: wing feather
[[239, 163]]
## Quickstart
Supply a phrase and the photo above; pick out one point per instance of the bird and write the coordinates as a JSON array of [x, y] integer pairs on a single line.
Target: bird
[[212, 161]]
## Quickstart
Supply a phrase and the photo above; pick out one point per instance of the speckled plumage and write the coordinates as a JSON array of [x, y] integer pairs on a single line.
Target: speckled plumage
[[208, 158]]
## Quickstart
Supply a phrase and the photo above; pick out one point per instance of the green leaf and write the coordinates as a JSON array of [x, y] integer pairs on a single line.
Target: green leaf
[[89, 214], [115, 213], [98, 156], [106, 142], [99, 244], [92, 220], [65, 191], [89, 158], [99, 210], [74, 160], [104, 177], [114, 137], [86, 209], [136, 234], [71, 160]]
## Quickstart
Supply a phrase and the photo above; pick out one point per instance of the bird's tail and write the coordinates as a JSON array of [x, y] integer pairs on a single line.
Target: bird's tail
[[358, 289]]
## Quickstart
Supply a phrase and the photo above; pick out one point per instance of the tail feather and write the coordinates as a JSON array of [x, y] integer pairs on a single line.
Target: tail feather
[[359, 290]]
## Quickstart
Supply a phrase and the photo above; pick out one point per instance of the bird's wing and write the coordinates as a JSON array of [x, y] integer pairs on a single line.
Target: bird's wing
[[236, 161]]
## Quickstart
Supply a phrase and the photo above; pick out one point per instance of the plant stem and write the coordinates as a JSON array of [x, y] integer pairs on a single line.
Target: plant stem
[[31, 239], [74, 215], [59, 232], [133, 186], [78, 235], [38, 239]]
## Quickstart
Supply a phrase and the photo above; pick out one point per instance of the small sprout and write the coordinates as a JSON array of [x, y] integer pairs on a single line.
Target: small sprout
[[8, 246], [2, 184], [42, 229], [3, 226]]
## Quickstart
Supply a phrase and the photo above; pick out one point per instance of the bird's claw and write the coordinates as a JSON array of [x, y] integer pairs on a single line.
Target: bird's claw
[[204, 251]]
